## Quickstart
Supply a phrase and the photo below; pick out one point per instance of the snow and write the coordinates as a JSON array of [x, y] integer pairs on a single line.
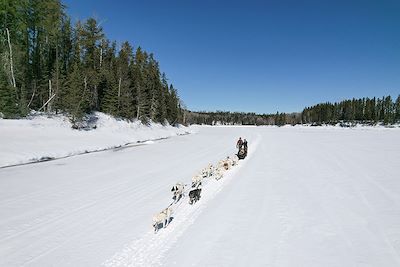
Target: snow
[[40, 137], [305, 196]]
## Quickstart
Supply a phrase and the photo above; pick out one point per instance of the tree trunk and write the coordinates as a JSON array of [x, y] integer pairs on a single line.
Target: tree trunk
[[11, 59], [50, 97], [96, 97], [85, 82], [101, 56], [57, 74], [33, 95], [47, 102], [119, 91]]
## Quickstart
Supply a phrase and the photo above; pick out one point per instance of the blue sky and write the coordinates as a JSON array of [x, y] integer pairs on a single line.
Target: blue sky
[[261, 56]]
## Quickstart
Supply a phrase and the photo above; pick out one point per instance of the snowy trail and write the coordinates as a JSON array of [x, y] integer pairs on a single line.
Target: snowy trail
[[149, 250], [304, 197]]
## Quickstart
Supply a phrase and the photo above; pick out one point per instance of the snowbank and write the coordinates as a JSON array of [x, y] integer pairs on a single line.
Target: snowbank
[[40, 137]]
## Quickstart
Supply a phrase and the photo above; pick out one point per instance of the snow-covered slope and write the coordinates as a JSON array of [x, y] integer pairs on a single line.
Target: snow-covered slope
[[303, 197], [40, 137]]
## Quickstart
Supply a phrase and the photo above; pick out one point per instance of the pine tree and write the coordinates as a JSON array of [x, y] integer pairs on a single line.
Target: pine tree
[[8, 102], [11, 57], [163, 99], [108, 86], [140, 86], [389, 110], [125, 95], [369, 109], [173, 108], [380, 109], [77, 98], [397, 109], [92, 34]]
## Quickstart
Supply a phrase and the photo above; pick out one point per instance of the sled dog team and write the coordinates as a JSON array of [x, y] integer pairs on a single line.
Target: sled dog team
[[178, 190]]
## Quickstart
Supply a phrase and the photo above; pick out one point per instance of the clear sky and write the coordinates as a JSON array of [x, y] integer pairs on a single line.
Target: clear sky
[[261, 56]]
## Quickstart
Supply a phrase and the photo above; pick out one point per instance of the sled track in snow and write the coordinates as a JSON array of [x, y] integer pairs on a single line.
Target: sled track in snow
[[114, 148], [151, 247]]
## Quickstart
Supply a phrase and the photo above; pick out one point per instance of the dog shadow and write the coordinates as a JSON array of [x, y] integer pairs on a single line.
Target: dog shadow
[[161, 225], [177, 199]]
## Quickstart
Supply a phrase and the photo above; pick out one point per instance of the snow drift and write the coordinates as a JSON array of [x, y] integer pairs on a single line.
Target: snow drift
[[40, 137]]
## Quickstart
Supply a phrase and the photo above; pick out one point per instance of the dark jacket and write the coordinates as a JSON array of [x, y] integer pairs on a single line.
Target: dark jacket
[[239, 143]]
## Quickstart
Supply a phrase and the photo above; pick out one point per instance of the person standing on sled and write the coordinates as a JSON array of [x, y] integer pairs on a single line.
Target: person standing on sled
[[245, 146], [239, 143]]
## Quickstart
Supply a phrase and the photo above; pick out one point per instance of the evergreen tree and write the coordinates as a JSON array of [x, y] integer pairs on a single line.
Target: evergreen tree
[[389, 115], [397, 109], [92, 34], [164, 93], [140, 86], [77, 97], [173, 106], [125, 95], [8, 102], [108, 86]]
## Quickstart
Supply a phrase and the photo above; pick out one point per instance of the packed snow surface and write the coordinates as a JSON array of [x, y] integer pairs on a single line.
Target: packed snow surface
[[302, 197]]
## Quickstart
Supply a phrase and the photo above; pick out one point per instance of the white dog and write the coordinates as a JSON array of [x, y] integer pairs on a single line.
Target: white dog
[[196, 181], [178, 190], [225, 164], [208, 171], [221, 164], [218, 174], [228, 163], [234, 161], [162, 218]]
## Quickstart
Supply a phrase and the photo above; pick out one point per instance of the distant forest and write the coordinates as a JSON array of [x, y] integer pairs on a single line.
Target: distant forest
[[363, 110], [48, 64]]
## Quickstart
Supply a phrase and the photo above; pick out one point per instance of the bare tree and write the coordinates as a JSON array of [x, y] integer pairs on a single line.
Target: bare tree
[[11, 59]]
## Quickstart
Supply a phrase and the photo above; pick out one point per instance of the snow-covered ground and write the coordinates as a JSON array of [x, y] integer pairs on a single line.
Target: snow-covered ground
[[40, 137], [303, 197]]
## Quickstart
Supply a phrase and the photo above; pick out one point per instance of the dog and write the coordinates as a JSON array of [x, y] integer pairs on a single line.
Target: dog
[[194, 195], [196, 181], [162, 218], [234, 161], [208, 171], [225, 164], [219, 173], [221, 164], [178, 191]]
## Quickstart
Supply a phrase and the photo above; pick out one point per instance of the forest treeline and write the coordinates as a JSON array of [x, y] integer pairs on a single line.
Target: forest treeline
[[363, 110], [240, 118], [49, 64]]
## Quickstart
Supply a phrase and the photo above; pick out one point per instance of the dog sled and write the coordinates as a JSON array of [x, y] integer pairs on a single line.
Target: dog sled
[[242, 154]]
